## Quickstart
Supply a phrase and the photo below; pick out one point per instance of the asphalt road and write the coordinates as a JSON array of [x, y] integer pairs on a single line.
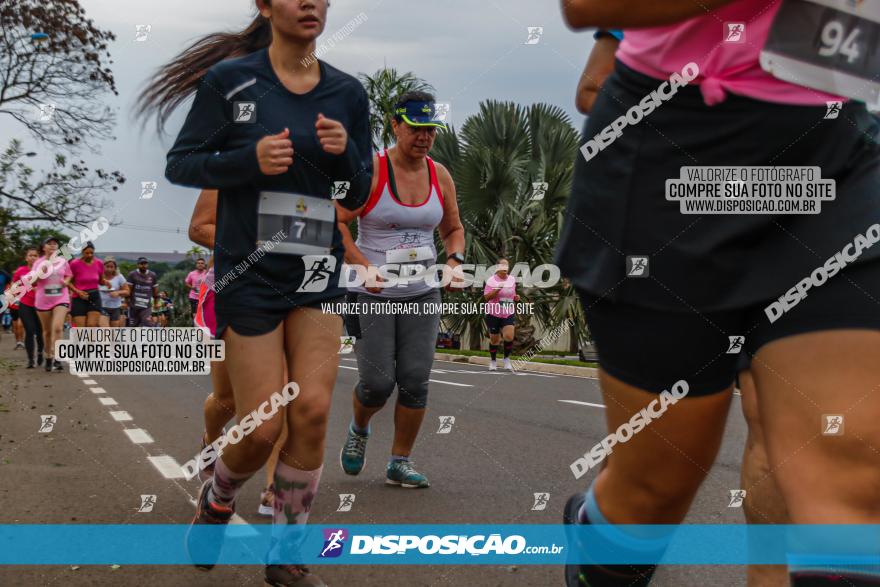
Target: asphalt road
[[514, 435]]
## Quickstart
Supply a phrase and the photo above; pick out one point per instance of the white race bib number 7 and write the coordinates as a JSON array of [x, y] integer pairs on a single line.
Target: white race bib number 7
[[827, 45], [294, 224]]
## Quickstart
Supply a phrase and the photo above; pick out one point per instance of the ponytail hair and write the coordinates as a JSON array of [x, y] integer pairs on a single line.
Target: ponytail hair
[[173, 83]]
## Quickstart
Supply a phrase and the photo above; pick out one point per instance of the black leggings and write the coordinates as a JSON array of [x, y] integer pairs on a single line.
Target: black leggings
[[32, 330]]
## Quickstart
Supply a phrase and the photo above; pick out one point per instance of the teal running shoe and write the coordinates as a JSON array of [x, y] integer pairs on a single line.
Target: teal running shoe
[[353, 454], [402, 473]]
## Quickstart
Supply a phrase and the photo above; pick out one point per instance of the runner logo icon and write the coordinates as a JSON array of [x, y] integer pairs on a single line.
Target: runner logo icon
[[346, 345], [147, 503], [346, 500], [45, 112], [833, 110], [637, 267], [148, 189], [142, 32], [245, 112], [340, 190], [736, 32], [736, 344], [539, 190], [319, 268], [833, 425], [446, 423], [737, 496], [334, 543], [47, 423], [535, 33], [541, 500]]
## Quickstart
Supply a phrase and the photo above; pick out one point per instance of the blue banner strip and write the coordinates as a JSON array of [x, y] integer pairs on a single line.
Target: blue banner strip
[[488, 544]]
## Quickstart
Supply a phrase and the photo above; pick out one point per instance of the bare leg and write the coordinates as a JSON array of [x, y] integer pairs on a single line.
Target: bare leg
[[763, 503], [407, 423]]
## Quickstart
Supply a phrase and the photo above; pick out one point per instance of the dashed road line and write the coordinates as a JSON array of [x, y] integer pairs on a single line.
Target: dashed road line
[[431, 380], [167, 466], [107, 401], [90, 382], [139, 436], [98, 390], [571, 401], [121, 416]]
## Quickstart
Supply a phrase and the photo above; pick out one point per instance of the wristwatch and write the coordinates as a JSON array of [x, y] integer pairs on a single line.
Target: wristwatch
[[456, 257]]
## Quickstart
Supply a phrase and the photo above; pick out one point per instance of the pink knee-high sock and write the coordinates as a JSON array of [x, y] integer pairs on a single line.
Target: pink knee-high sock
[[294, 491], [226, 484]]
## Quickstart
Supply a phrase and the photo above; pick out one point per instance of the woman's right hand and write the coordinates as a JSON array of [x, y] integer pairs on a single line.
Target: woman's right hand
[[275, 153], [372, 284]]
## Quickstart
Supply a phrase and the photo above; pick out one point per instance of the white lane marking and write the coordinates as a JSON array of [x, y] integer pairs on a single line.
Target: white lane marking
[[571, 401], [90, 382], [440, 371], [450, 383], [431, 380], [139, 436], [245, 530], [98, 390], [166, 465], [107, 401], [81, 375], [121, 416]]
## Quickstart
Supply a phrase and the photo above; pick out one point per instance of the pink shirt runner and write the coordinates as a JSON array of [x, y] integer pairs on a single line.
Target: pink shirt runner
[[87, 276], [501, 306], [51, 290], [27, 299], [724, 67], [195, 278]]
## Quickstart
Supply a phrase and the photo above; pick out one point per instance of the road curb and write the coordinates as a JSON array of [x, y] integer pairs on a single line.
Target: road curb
[[570, 370]]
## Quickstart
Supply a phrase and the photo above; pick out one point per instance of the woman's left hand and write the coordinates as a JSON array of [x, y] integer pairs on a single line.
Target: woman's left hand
[[333, 136]]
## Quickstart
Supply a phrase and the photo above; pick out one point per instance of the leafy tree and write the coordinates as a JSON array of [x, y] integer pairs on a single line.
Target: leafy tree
[[68, 70], [383, 88], [494, 160], [53, 89]]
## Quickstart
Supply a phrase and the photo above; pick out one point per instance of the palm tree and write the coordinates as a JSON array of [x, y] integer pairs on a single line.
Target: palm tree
[[494, 160], [195, 252], [383, 88]]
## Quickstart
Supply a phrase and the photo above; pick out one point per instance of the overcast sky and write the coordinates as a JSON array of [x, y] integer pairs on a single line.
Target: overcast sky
[[469, 50]]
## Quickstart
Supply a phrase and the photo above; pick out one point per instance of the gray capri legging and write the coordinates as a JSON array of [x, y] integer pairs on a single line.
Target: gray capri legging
[[396, 349]]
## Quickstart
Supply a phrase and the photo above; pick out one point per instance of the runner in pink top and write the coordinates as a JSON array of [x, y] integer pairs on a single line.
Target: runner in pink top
[[52, 297], [88, 276], [725, 66], [682, 274], [22, 281], [499, 295], [194, 281]]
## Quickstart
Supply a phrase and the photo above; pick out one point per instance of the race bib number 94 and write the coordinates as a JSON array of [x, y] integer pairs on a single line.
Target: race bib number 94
[[827, 45]]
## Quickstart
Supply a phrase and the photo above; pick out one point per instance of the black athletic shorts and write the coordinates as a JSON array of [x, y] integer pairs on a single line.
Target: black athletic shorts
[[652, 349], [258, 322], [81, 307], [13, 312], [112, 313], [495, 324]]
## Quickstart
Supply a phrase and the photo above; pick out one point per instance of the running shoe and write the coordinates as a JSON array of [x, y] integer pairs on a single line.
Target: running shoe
[[48, 365], [292, 576], [19, 345], [493, 365], [206, 513], [402, 473], [57, 367], [30, 364], [353, 454], [507, 364], [267, 501], [39, 358]]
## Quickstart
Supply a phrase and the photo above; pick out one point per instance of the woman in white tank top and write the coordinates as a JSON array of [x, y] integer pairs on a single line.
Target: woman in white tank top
[[411, 196]]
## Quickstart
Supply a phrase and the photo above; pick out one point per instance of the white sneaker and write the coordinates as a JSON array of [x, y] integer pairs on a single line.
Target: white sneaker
[[507, 364], [493, 366]]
